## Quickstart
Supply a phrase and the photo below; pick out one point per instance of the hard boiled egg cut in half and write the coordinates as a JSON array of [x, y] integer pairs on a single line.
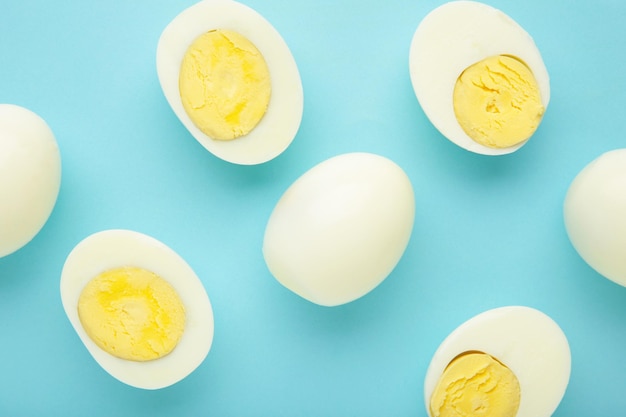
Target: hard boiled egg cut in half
[[231, 79], [30, 176], [479, 77], [138, 307], [507, 362], [340, 229]]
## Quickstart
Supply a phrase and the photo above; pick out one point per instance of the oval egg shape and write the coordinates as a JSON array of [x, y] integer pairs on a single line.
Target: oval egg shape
[[280, 123], [522, 339], [452, 38], [30, 176], [595, 215], [341, 228], [110, 249]]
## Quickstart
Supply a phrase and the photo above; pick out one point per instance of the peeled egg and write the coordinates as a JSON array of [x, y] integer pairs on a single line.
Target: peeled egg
[[500, 106], [595, 214], [510, 361], [341, 228], [30, 176], [223, 80], [125, 325]]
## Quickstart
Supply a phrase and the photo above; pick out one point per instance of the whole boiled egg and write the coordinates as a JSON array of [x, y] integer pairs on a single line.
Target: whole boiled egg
[[231, 79], [340, 229], [138, 307], [509, 362], [595, 214], [30, 176], [479, 77]]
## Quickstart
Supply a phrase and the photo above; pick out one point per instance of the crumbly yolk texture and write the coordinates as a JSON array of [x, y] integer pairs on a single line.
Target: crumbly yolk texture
[[132, 313], [476, 385], [224, 84], [497, 102]]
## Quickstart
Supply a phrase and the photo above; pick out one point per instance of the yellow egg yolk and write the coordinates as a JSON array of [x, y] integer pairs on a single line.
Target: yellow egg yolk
[[132, 313], [476, 385], [497, 102], [224, 84]]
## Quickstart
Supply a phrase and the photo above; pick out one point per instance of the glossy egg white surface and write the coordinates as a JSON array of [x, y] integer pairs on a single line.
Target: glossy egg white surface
[[454, 36], [595, 214], [281, 122], [114, 248], [30, 176], [341, 228], [525, 340]]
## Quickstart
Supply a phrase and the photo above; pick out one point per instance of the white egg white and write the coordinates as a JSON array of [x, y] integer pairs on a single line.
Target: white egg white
[[595, 214], [525, 340], [341, 228], [281, 122], [451, 38], [30, 176], [115, 248]]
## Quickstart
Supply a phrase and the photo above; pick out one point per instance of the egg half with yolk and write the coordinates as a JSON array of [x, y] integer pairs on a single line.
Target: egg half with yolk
[[510, 361], [231, 79], [479, 77], [138, 307]]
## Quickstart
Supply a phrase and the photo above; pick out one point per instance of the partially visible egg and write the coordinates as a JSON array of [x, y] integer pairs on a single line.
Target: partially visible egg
[[510, 361], [479, 77], [149, 332], [341, 228], [30, 176], [595, 214], [232, 81]]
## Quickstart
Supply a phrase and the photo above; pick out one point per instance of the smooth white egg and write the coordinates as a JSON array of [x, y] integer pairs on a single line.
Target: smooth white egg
[[526, 341], [595, 214], [450, 39], [30, 176], [116, 248], [281, 122], [341, 228]]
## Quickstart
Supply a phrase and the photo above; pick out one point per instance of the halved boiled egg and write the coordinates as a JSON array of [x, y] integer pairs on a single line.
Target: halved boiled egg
[[509, 362], [479, 77], [138, 307], [232, 81], [30, 176], [341, 228], [595, 214]]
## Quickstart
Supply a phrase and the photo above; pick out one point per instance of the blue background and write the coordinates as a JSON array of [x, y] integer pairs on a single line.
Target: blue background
[[488, 230]]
